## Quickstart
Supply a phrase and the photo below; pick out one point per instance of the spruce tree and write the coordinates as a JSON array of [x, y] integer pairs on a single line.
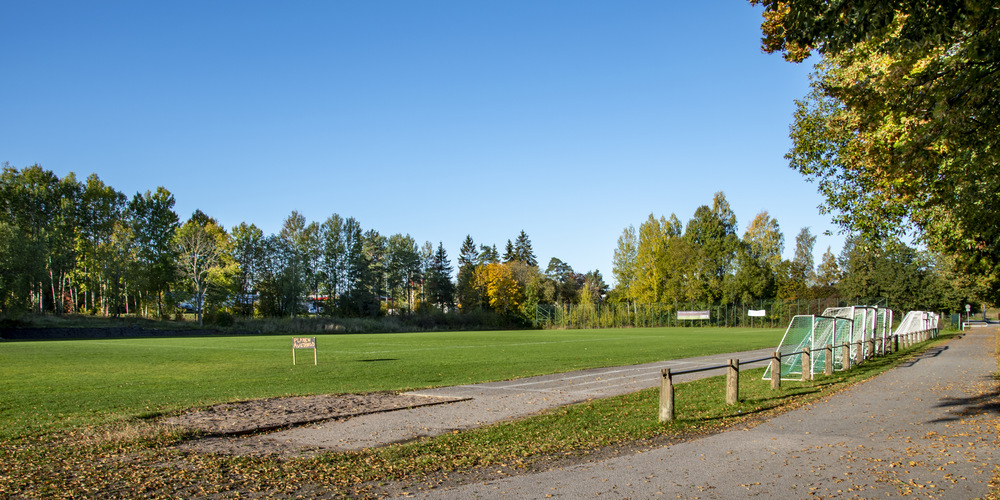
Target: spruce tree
[[467, 295], [440, 289], [509, 255], [522, 250]]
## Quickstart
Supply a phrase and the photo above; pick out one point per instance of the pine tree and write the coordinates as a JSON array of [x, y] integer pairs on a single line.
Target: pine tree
[[488, 255]]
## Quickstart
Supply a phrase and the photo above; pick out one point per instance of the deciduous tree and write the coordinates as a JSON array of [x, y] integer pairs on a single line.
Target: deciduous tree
[[624, 265], [712, 231], [154, 224], [504, 293], [249, 256], [200, 249], [901, 125]]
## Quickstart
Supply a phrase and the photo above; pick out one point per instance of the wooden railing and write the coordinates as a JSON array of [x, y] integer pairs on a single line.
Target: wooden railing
[[880, 346]]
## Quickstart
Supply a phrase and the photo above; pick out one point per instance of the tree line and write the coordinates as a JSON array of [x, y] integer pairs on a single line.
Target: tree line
[[706, 261], [68, 246]]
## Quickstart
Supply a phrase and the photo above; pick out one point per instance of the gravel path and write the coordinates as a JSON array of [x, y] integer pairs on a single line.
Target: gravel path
[[487, 403], [926, 429]]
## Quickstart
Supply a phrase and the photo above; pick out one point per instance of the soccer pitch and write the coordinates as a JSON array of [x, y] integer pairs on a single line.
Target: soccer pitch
[[53, 385]]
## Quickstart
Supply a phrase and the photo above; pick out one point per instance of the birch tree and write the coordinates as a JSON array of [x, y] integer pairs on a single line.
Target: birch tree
[[199, 250]]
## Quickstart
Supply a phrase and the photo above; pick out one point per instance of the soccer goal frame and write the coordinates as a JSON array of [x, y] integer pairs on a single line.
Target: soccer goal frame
[[872, 325], [814, 332]]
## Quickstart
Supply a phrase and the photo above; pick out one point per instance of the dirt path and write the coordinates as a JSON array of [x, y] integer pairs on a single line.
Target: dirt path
[[354, 422], [926, 429]]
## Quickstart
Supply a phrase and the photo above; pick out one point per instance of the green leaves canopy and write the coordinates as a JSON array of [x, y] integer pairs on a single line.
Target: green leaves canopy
[[902, 123]]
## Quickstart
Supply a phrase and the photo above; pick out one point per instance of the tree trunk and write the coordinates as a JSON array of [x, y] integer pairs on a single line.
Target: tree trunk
[[52, 286]]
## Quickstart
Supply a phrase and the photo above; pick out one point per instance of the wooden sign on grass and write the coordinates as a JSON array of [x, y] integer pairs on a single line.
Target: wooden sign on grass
[[304, 343]]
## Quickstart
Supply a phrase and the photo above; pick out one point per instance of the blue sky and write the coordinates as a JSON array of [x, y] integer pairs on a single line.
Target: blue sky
[[568, 119]]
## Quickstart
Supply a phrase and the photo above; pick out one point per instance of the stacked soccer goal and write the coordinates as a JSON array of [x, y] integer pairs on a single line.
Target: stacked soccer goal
[[837, 326], [916, 322]]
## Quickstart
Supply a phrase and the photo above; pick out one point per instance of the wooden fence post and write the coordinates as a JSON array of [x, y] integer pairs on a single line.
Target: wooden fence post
[[828, 369], [666, 396], [733, 382], [846, 355], [776, 371], [806, 365]]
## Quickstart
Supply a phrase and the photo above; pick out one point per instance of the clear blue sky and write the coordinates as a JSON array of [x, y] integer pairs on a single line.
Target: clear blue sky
[[568, 119]]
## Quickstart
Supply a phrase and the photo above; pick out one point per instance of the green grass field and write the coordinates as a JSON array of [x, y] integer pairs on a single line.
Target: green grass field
[[50, 386], [69, 428]]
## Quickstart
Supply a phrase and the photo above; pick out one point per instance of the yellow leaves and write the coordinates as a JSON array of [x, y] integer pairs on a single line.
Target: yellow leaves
[[500, 287]]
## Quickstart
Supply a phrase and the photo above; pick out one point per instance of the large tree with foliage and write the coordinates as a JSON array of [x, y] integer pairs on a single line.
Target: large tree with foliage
[[565, 282], [910, 279], [523, 251], [794, 277], [712, 231], [504, 293], [828, 275], [249, 254], [440, 288], [901, 126], [623, 265], [153, 225], [757, 258], [40, 210], [651, 270], [101, 208], [466, 292], [402, 268], [304, 263], [201, 245]]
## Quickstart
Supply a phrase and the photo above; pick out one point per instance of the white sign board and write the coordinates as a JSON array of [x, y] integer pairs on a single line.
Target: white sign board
[[693, 315], [304, 343], [757, 313]]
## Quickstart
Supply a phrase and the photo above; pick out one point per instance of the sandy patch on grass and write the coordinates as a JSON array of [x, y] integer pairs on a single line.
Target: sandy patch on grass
[[240, 428]]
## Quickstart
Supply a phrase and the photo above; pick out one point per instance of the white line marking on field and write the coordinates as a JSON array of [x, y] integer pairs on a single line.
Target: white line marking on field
[[182, 346], [437, 348]]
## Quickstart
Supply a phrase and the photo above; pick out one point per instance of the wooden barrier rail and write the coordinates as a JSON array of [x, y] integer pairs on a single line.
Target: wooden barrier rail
[[732, 367]]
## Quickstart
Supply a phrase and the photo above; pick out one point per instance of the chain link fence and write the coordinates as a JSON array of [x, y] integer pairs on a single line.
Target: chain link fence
[[773, 313]]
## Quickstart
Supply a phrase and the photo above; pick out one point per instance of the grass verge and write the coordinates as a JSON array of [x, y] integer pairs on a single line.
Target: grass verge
[[135, 458]]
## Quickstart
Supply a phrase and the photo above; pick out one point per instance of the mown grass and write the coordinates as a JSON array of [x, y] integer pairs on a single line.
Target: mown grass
[[133, 457], [58, 385]]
